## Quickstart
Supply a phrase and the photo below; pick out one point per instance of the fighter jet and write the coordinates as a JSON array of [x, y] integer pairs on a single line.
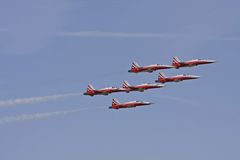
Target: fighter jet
[[141, 87], [132, 104], [162, 78], [150, 68], [177, 63], [105, 91]]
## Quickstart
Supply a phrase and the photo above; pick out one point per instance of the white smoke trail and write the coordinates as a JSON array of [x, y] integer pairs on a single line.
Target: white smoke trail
[[19, 101], [28, 117], [115, 34]]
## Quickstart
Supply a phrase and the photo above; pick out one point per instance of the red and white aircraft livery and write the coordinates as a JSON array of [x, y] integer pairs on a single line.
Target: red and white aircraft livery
[[162, 78], [135, 68], [177, 63], [141, 87], [105, 91], [117, 105]]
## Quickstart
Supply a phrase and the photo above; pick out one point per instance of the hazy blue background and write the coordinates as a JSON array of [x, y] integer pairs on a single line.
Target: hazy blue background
[[190, 120]]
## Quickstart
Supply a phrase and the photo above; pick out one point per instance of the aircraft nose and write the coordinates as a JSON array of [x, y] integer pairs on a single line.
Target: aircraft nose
[[196, 77], [149, 103]]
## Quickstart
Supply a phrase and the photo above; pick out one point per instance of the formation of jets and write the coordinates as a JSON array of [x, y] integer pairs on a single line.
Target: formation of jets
[[162, 78]]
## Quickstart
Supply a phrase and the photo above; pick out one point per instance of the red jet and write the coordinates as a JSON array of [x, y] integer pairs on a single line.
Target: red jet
[[137, 68], [162, 78], [141, 87], [177, 63], [117, 105], [105, 91]]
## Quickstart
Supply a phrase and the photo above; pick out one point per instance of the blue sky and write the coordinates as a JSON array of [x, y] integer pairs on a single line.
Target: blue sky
[[191, 120]]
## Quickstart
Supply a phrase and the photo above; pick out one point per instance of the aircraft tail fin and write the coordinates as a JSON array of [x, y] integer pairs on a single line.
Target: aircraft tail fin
[[115, 102], [90, 88], [135, 65], [126, 84], [162, 76], [176, 61]]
